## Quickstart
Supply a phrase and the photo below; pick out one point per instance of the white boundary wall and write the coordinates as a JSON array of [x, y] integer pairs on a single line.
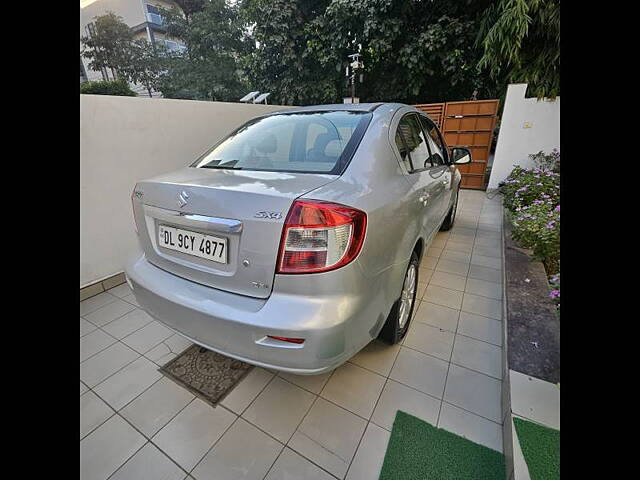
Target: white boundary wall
[[528, 126], [126, 139]]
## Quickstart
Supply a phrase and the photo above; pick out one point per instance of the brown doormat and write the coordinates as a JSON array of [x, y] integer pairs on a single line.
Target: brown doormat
[[204, 373]]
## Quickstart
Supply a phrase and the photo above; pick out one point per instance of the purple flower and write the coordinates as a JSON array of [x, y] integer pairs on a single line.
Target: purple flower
[[557, 209], [554, 294], [551, 224]]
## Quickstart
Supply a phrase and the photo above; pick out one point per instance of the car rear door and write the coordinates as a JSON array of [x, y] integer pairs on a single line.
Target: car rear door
[[425, 188]]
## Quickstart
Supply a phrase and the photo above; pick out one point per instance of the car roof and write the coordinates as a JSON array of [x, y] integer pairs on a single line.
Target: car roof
[[350, 107]]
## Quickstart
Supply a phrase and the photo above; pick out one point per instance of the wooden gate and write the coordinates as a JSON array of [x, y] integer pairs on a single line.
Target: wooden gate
[[467, 124]]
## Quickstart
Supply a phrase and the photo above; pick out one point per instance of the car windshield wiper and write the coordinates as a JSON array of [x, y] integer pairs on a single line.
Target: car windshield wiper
[[223, 166]]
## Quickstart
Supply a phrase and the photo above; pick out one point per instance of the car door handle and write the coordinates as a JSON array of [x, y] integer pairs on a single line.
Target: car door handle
[[424, 199]]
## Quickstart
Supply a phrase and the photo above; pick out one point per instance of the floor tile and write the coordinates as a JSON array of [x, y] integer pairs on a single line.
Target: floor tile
[[190, 435], [131, 299], [455, 256], [108, 447], [94, 303], [484, 306], [419, 371], [420, 289], [107, 362], [87, 327], [487, 251], [438, 242], [443, 296], [354, 388], [109, 312], [369, 457], [396, 396], [484, 241], [477, 355], [148, 337], [156, 406], [83, 388], [463, 247], [484, 288], [149, 463], [125, 385], [470, 426], [437, 316], [535, 399], [93, 343], [481, 328], [475, 392], [428, 262], [279, 408], [431, 340], [312, 383], [448, 280], [457, 268], [167, 349], [120, 291], [490, 262], [128, 323], [466, 239], [433, 252], [377, 356], [247, 390], [243, 453], [485, 273], [424, 275], [291, 466], [329, 436], [93, 412]]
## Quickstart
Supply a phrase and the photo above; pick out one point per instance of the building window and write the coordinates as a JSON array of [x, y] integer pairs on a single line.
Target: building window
[[171, 45], [83, 74], [153, 14]]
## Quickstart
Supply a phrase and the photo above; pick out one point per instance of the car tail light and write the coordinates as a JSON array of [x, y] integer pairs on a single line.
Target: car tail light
[[320, 236]]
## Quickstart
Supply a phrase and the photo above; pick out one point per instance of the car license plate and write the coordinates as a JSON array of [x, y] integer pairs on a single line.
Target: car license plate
[[193, 243]]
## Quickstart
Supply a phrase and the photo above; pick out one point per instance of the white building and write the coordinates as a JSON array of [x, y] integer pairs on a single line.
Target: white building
[[142, 16]]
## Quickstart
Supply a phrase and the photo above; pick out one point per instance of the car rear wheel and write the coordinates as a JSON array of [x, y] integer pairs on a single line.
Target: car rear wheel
[[399, 318], [451, 217]]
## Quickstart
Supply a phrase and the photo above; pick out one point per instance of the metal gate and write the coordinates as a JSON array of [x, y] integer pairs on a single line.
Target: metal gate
[[467, 124]]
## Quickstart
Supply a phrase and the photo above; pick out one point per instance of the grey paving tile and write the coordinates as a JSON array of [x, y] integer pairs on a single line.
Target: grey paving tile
[[428, 263], [535, 399], [121, 290], [484, 288], [191, 433], [247, 390], [290, 466], [312, 383], [354, 388], [377, 356], [396, 396], [448, 280], [131, 299], [457, 268], [443, 296], [470, 426], [107, 362], [433, 252], [488, 251], [456, 256], [149, 463], [475, 392], [107, 448], [481, 328], [431, 340], [279, 409], [125, 385], [93, 343], [93, 412], [93, 303], [464, 247], [484, 306], [367, 462], [477, 355], [243, 453], [491, 262], [83, 388], [422, 372], [87, 327], [484, 241], [485, 273], [329, 436], [128, 323], [438, 316], [148, 337], [109, 312], [424, 275]]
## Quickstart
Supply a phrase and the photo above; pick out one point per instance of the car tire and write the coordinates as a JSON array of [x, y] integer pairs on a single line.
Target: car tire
[[451, 216], [397, 324]]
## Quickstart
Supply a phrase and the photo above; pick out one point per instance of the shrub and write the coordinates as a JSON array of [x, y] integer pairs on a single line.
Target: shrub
[[554, 281], [545, 161], [109, 87], [526, 185], [537, 226]]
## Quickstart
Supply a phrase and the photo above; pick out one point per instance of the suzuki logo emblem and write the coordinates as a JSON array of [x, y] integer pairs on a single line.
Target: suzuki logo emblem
[[183, 198]]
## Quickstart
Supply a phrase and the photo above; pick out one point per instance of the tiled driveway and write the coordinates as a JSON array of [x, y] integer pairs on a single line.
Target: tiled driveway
[[136, 424]]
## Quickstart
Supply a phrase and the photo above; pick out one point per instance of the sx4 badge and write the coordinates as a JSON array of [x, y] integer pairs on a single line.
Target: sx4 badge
[[274, 215]]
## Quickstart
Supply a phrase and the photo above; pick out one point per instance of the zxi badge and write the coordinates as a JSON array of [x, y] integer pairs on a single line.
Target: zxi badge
[[183, 198]]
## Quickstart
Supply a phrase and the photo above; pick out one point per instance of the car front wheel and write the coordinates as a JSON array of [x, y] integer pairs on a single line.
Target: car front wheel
[[399, 318]]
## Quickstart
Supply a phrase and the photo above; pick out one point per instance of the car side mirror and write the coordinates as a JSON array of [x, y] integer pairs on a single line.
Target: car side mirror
[[460, 155]]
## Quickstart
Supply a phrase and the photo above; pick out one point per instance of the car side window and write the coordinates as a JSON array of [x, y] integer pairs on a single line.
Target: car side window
[[404, 151], [415, 142], [436, 142]]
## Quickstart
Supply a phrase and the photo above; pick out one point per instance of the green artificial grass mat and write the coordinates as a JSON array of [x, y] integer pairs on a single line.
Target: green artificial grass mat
[[541, 449], [419, 451]]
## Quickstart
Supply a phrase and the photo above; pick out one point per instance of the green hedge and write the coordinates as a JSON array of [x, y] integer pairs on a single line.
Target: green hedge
[[110, 87]]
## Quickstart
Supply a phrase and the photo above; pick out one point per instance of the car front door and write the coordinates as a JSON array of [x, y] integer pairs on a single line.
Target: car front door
[[425, 189], [441, 170]]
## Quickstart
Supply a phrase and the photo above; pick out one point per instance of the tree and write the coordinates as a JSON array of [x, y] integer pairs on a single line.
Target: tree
[[521, 41], [108, 45], [209, 68], [147, 64]]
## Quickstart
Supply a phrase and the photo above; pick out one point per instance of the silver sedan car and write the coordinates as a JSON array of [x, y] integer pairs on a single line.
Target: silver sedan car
[[296, 240]]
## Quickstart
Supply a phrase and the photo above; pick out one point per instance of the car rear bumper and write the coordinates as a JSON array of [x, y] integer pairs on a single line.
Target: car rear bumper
[[334, 326]]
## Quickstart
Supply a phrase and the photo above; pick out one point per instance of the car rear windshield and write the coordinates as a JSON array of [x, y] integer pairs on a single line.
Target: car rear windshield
[[314, 142]]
